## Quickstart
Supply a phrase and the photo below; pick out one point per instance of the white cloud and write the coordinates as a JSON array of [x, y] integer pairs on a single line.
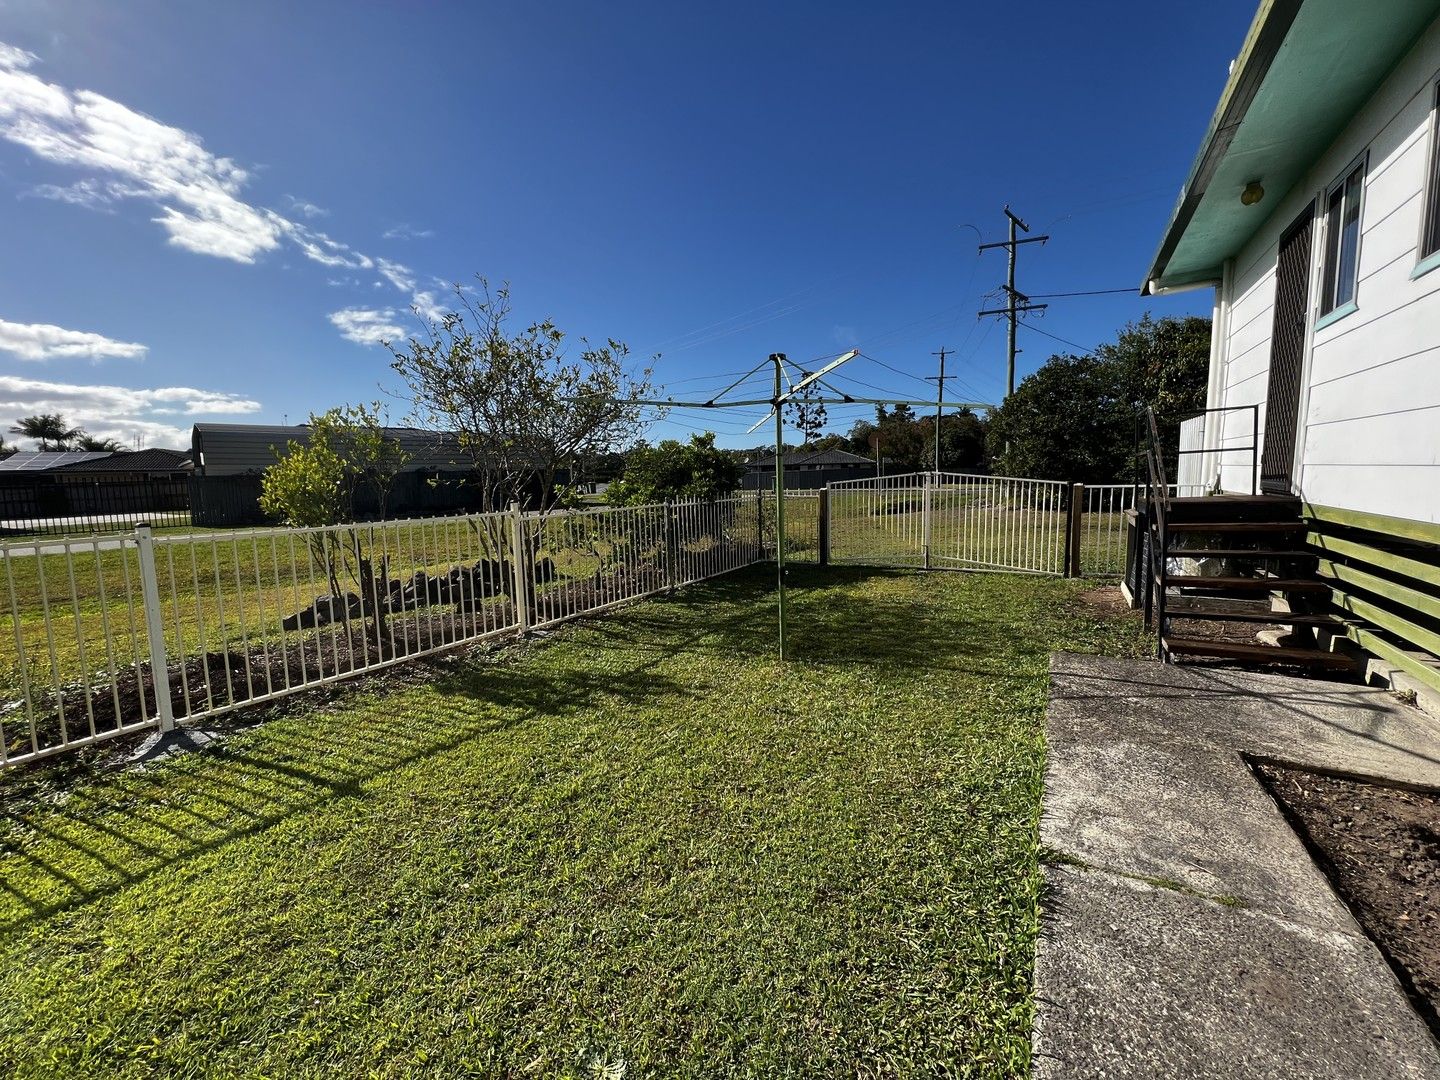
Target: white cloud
[[306, 209], [13, 58], [118, 412], [322, 249], [399, 275], [407, 232], [41, 341], [368, 326], [198, 194], [91, 194], [428, 307]]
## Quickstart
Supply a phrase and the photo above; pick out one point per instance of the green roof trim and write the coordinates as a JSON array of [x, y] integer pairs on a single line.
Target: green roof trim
[[1306, 67]]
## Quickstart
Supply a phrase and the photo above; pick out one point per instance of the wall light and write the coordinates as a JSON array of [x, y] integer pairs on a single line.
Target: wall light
[[1252, 194]]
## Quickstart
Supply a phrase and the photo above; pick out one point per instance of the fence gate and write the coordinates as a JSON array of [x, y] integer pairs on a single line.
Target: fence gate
[[949, 520]]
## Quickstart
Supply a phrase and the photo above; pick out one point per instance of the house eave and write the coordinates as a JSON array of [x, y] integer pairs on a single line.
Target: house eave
[[1306, 68]]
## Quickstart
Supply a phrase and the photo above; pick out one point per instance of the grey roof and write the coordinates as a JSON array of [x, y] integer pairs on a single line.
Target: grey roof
[[796, 458], [151, 459], [45, 460], [234, 449]]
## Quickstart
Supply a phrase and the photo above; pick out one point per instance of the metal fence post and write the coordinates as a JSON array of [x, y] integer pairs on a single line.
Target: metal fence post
[[518, 570], [823, 526], [154, 627], [926, 523], [671, 547], [1073, 530]]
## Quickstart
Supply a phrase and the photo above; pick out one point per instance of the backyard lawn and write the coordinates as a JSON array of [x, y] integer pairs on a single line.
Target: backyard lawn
[[638, 847]]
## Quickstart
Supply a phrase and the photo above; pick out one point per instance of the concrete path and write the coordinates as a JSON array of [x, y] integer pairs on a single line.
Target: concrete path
[[1186, 931]]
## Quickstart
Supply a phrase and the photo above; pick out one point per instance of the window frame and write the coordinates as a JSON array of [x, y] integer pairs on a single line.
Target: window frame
[[1427, 260], [1330, 308]]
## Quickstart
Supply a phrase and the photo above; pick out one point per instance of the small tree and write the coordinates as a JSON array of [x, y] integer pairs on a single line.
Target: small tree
[[521, 409], [675, 470], [807, 413], [316, 484]]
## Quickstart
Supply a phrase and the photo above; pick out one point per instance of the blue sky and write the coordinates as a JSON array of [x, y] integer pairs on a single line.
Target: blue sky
[[210, 211]]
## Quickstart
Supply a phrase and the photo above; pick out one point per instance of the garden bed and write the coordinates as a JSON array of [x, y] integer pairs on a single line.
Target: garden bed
[[1380, 847]]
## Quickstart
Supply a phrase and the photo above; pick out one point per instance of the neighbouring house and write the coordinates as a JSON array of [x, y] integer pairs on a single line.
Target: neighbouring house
[[230, 459], [806, 469], [1313, 211], [45, 485]]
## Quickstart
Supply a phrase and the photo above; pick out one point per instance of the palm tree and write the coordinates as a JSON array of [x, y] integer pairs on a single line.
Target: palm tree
[[48, 429], [85, 441]]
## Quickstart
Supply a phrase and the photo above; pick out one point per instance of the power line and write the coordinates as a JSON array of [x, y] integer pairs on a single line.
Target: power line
[[891, 367], [1087, 292], [1064, 341]]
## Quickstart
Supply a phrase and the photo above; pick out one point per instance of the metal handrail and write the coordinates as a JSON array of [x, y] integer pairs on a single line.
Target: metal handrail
[[1253, 447], [1157, 503]]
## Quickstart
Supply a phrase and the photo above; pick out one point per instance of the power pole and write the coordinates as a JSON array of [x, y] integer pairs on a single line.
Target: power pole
[[939, 398], [1016, 302]]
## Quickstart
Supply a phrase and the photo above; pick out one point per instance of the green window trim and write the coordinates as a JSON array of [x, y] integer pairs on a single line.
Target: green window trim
[[1425, 265], [1347, 308]]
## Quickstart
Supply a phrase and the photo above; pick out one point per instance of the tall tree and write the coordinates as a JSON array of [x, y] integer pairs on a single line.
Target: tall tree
[[1075, 417], [47, 429], [521, 409]]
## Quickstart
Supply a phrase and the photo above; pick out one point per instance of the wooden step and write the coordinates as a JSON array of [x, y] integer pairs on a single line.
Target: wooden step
[[1244, 584], [1279, 618], [1235, 553], [1238, 526], [1260, 654]]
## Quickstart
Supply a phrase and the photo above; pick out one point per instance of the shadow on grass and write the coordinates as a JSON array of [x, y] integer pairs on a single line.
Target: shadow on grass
[[122, 828]]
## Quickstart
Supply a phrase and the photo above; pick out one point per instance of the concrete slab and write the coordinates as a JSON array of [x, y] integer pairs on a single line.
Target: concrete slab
[[1187, 815], [1138, 981], [1192, 935]]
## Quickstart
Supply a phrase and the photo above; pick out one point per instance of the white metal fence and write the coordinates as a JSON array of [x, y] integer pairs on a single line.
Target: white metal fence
[[1103, 531], [110, 635], [950, 520]]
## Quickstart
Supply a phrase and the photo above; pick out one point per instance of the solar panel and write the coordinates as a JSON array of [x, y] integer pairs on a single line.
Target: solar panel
[[38, 460]]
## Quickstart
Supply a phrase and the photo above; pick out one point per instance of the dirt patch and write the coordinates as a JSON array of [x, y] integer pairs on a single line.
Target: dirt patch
[[1106, 599], [1380, 847]]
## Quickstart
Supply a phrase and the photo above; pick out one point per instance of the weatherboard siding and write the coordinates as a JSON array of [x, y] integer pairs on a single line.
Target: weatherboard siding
[[1369, 428]]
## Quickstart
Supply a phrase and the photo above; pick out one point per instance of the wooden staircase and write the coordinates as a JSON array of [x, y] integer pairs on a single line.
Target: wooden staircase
[[1221, 567], [1228, 564]]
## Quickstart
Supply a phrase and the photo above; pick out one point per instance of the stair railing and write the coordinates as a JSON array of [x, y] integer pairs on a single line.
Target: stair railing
[[1157, 545]]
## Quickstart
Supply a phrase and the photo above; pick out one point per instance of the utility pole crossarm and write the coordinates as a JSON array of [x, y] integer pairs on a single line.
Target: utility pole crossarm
[[1019, 302]]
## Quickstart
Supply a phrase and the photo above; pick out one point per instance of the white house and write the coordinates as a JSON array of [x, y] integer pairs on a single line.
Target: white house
[[1313, 210]]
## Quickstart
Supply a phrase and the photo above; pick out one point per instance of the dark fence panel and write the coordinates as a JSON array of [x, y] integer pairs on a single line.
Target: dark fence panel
[[234, 501], [79, 505]]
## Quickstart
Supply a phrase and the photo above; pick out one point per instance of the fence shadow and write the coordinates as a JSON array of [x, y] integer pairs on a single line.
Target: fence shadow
[[120, 828]]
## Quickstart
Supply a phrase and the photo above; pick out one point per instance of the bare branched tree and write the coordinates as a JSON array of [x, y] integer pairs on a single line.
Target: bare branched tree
[[521, 408]]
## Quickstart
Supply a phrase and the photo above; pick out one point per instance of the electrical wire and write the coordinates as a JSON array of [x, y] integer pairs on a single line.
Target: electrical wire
[[1086, 292], [1064, 341]]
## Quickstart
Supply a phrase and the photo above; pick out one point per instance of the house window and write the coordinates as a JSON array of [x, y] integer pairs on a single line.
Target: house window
[[1342, 241], [1430, 238]]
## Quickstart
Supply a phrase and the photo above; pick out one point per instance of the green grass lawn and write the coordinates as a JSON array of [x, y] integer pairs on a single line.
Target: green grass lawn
[[640, 847]]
